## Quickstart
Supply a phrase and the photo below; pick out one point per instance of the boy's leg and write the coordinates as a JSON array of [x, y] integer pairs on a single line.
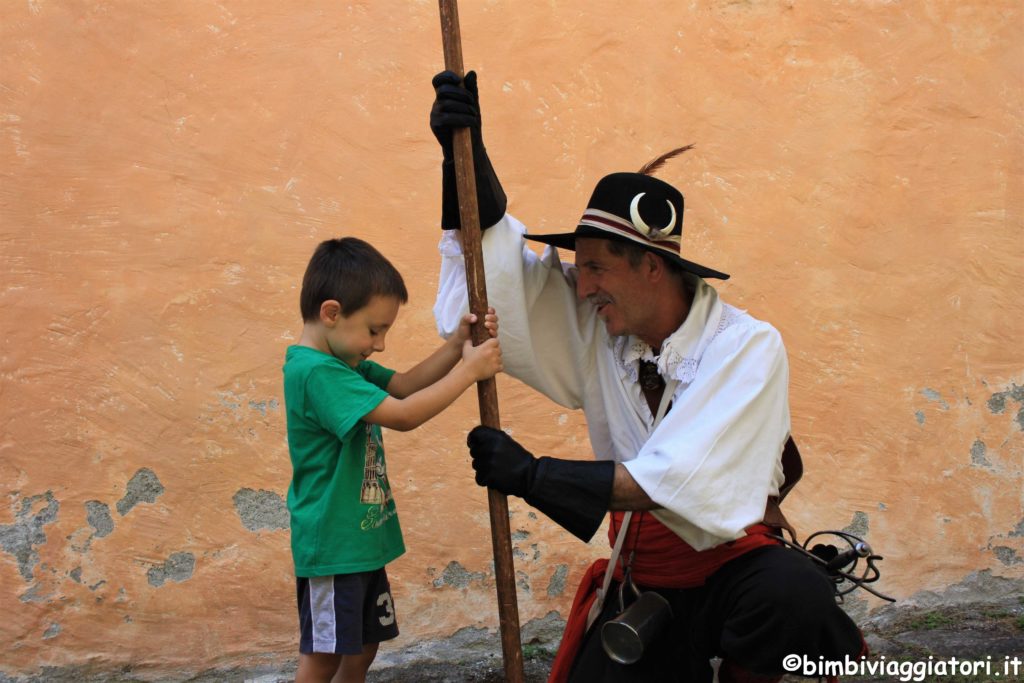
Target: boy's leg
[[317, 667], [342, 619], [354, 667], [330, 624], [378, 624]]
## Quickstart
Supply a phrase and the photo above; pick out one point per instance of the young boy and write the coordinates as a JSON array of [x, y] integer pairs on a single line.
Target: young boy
[[343, 520]]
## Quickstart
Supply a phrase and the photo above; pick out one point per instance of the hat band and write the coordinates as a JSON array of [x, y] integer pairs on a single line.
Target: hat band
[[609, 222]]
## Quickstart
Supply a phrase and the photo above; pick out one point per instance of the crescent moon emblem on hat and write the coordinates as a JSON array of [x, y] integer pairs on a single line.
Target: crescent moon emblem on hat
[[634, 215]]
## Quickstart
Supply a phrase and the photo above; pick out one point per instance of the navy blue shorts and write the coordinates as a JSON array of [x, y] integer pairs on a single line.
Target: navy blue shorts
[[341, 613]]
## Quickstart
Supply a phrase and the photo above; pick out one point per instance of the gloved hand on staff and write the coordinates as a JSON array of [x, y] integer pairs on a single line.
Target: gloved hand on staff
[[457, 105], [573, 493]]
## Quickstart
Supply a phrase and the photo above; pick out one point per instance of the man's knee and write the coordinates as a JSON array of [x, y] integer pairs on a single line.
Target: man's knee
[[779, 604], [796, 587]]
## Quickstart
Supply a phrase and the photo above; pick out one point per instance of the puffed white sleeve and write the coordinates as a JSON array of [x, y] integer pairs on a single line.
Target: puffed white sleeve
[[714, 459], [546, 338]]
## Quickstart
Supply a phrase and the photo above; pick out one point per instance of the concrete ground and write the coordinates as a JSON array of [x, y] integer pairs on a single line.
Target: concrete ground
[[990, 630], [969, 632]]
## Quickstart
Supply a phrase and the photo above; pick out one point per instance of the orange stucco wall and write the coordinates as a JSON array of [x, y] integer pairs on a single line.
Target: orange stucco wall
[[167, 168]]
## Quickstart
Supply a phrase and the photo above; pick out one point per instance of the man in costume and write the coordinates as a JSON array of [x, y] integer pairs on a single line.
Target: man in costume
[[687, 407]]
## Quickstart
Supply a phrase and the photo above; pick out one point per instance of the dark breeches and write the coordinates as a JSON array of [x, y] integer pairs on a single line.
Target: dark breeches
[[751, 613]]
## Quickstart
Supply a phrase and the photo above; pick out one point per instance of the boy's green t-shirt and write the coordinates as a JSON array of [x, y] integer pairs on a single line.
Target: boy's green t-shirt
[[343, 518]]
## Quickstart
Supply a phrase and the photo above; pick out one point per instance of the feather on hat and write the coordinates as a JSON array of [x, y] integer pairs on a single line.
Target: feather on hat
[[637, 208]]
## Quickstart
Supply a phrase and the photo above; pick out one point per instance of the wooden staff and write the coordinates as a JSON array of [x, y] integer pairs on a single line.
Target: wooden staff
[[487, 392]]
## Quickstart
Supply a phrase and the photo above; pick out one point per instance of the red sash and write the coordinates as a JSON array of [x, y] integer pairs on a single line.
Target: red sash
[[663, 560]]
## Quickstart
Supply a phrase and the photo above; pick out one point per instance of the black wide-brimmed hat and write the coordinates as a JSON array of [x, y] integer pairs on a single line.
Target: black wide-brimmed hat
[[638, 208]]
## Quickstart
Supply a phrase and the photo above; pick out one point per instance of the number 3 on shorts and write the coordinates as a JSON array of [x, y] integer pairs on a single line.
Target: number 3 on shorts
[[384, 599]]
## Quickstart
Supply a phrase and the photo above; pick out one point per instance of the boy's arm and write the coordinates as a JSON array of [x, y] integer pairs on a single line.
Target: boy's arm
[[402, 414], [440, 362], [427, 372]]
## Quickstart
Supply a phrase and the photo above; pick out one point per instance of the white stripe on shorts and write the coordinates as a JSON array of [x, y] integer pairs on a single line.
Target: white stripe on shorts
[[321, 611]]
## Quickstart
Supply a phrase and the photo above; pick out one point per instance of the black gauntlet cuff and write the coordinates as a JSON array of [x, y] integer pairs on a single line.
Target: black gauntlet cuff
[[490, 196], [573, 493]]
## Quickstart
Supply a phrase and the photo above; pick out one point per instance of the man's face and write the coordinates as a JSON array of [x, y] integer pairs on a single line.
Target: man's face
[[614, 287]]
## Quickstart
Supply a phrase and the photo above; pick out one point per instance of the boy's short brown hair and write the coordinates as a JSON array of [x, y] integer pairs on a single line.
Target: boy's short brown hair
[[351, 272]]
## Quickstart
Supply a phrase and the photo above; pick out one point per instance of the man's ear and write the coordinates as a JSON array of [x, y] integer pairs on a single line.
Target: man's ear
[[654, 266], [330, 312]]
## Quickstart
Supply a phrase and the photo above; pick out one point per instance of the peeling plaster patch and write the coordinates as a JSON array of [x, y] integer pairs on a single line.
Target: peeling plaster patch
[[97, 514], [51, 632], [536, 552], [1007, 556], [227, 399], [883, 506], [34, 594], [1018, 531], [97, 584], [469, 644], [466, 644], [978, 451], [523, 580], [520, 534], [556, 584], [518, 553], [264, 406], [76, 574], [77, 543], [144, 487], [546, 631], [178, 567], [21, 538], [261, 509], [859, 525], [997, 402], [935, 397], [456, 576], [920, 417], [977, 587]]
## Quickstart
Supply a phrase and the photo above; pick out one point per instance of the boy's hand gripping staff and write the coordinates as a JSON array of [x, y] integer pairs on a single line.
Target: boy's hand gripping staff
[[469, 214]]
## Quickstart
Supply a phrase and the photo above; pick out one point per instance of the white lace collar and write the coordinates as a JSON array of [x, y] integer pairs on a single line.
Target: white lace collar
[[682, 350]]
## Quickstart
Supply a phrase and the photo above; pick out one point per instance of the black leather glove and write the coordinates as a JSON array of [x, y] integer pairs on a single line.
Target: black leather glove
[[500, 462], [574, 494], [457, 105]]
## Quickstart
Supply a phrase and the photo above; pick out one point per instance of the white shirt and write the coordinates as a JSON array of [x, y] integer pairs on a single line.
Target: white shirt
[[715, 458]]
